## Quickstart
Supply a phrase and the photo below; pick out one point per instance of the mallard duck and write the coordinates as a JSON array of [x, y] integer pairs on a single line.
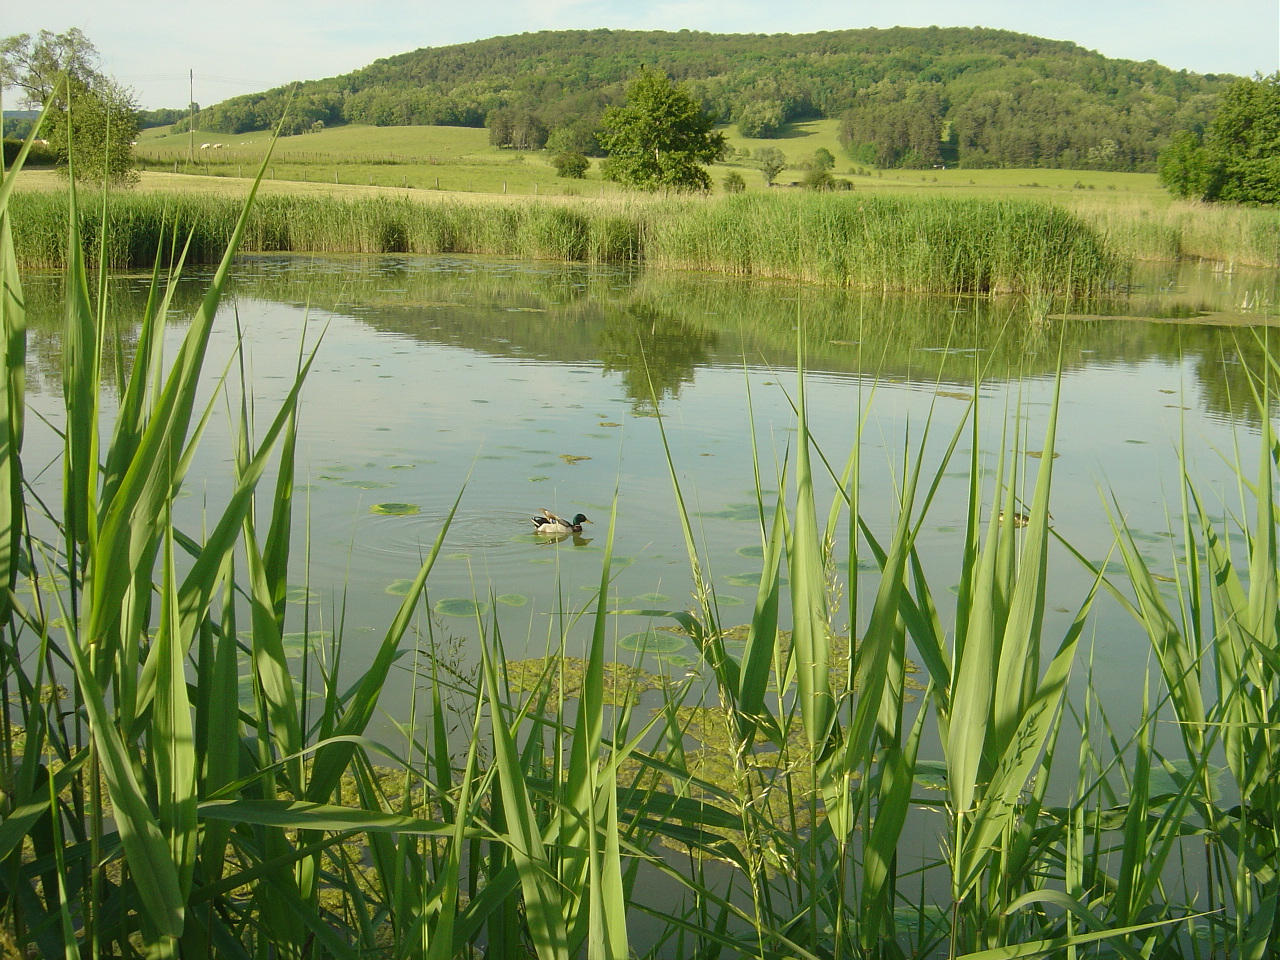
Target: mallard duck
[[550, 525]]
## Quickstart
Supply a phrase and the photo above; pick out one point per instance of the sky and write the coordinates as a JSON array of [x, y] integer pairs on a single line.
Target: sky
[[233, 47]]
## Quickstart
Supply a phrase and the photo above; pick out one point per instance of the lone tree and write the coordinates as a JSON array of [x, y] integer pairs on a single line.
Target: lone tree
[[772, 162], [88, 110], [1238, 160], [660, 139]]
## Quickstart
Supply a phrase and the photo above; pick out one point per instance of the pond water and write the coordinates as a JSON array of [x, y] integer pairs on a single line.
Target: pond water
[[525, 386]]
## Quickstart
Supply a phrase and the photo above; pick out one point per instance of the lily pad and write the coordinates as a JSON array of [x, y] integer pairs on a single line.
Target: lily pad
[[678, 660], [749, 579], [363, 484], [461, 607], [734, 511], [652, 597], [399, 588], [724, 600], [513, 599], [296, 643], [300, 595], [395, 509], [754, 551], [657, 643], [931, 774]]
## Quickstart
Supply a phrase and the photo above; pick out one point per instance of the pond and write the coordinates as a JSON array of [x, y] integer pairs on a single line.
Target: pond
[[524, 386], [507, 388]]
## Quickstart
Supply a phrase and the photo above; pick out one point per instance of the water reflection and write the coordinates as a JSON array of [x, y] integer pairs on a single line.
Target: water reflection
[[654, 351], [532, 385], [657, 330]]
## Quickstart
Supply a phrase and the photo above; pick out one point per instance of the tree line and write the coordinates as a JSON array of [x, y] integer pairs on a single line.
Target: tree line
[[905, 96]]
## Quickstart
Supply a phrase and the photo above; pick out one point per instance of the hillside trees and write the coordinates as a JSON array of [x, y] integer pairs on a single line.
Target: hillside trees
[[895, 124], [1238, 159], [761, 118], [518, 129], [92, 120], [661, 138], [1009, 99]]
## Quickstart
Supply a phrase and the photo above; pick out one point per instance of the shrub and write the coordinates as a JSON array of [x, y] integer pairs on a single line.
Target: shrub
[[571, 165], [733, 182], [818, 179]]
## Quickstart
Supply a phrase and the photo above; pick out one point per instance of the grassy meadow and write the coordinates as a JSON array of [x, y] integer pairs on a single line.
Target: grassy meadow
[[454, 159], [157, 804], [460, 159]]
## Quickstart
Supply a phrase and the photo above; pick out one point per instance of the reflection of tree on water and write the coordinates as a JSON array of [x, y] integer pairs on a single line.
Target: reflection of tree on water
[[654, 351], [1230, 369], [125, 310]]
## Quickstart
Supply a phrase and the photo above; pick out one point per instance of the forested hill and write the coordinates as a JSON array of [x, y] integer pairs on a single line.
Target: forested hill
[[906, 96]]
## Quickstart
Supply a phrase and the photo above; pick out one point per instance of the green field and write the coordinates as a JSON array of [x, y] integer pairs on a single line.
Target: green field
[[457, 159], [461, 159]]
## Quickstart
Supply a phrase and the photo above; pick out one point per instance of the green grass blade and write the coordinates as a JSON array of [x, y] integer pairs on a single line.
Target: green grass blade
[[811, 645], [173, 740], [154, 872], [13, 360], [543, 904]]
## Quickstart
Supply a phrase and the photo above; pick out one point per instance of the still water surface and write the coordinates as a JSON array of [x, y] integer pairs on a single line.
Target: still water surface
[[525, 386]]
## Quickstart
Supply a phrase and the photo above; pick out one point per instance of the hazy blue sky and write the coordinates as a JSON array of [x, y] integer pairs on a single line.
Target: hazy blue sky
[[242, 46]]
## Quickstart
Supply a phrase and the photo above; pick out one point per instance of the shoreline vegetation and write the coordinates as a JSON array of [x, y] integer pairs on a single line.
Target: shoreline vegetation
[[921, 243], [889, 243]]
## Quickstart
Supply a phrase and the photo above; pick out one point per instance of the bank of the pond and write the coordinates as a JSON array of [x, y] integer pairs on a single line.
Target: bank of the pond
[[924, 244]]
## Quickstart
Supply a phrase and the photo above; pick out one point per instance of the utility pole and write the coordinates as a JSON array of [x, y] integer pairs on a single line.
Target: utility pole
[[191, 116]]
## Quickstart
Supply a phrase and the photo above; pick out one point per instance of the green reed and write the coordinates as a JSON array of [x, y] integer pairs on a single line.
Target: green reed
[[883, 243], [1180, 230], [151, 810]]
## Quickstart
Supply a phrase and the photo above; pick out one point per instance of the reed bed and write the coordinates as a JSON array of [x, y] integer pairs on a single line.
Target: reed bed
[[1180, 230], [883, 243], [152, 810]]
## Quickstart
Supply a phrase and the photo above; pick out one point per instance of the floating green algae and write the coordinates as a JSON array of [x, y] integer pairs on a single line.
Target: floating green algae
[[395, 509], [562, 677]]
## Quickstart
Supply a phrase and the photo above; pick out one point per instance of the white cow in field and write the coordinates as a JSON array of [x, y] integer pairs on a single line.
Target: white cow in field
[[217, 146], [205, 146]]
